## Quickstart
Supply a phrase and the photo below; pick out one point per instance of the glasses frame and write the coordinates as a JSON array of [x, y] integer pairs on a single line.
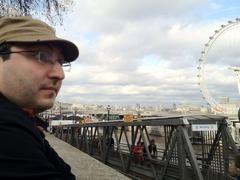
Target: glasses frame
[[37, 55]]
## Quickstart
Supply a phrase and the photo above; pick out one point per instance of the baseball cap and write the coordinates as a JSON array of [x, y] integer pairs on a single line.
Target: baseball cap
[[25, 29]]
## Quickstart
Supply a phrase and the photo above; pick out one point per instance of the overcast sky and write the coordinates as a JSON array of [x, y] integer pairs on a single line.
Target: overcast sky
[[147, 51]]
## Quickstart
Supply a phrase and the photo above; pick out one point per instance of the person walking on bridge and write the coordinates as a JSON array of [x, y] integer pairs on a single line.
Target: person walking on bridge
[[32, 60]]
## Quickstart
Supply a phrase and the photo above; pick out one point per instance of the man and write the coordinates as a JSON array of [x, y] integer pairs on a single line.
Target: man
[[32, 59]]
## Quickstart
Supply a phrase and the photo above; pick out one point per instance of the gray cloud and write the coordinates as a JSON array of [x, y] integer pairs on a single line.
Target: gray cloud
[[143, 52]]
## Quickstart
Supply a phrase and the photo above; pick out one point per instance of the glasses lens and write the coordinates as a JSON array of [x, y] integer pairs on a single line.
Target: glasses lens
[[44, 57], [66, 66]]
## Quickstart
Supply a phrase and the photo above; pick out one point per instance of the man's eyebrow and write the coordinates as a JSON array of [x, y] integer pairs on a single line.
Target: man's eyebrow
[[52, 46]]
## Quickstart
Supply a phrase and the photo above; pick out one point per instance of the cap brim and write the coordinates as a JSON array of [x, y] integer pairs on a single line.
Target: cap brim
[[69, 49]]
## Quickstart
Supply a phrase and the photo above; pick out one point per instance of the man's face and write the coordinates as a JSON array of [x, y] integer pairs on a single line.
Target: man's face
[[28, 82]]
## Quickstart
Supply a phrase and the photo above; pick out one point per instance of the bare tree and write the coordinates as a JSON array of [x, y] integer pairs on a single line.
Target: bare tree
[[52, 10]]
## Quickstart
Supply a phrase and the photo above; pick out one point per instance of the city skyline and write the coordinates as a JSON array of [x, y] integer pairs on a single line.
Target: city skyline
[[143, 51]]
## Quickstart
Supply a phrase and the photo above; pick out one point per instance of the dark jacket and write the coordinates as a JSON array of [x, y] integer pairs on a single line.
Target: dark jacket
[[24, 152]]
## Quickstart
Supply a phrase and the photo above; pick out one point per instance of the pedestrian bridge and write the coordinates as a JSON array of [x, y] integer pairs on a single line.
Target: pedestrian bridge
[[188, 147]]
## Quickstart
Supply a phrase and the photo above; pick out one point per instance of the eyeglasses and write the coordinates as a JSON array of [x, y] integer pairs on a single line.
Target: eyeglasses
[[45, 57]]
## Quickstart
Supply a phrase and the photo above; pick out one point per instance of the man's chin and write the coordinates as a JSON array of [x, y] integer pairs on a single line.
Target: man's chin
[[44, 105]]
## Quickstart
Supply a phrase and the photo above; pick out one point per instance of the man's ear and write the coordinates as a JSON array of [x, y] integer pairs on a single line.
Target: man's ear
[[4, 48], [4, 51]]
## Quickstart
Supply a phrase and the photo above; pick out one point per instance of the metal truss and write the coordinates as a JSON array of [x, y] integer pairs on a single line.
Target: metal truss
[[177, 156]]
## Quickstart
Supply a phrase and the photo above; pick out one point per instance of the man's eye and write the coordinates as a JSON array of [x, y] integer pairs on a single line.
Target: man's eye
[[61, 61], [44, 57]]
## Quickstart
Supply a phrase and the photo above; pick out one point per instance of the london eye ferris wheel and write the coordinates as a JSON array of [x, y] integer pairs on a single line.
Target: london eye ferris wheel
[[219, 68]]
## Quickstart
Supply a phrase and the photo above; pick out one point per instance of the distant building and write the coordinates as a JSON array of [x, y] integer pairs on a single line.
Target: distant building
[[193, 109], [224, 100], [61, 107]]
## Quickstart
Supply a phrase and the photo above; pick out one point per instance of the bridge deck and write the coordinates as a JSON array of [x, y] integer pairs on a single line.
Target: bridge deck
[[83, 165]]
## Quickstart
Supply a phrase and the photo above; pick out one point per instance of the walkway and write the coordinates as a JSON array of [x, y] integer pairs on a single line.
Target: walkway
[[83, 166]]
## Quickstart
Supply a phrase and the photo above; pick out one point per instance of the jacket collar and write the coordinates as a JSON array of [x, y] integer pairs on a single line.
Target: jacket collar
[[6, 103]]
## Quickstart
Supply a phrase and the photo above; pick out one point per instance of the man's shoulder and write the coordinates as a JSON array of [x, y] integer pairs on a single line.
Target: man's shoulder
[[16, 122], [11, 115]]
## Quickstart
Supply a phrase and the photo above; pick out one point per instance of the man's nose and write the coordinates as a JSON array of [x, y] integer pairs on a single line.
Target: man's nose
[[56, 71]]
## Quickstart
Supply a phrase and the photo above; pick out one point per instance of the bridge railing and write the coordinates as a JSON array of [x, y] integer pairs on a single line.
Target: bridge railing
[[188, 147]]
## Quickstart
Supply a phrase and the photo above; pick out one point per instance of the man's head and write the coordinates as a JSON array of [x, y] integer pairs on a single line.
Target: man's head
[[31, 62]]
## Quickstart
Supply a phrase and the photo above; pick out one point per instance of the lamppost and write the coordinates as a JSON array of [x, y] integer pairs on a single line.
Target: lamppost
[[138, 108], [75, 115], [108, 110], [60, 110]]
